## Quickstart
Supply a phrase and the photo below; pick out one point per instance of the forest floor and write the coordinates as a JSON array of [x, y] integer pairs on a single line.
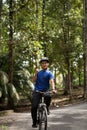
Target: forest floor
[[58, 100]]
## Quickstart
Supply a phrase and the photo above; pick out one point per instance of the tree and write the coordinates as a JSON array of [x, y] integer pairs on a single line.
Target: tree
[[85, 48], [0, 19], [10, 41], [43, 27]]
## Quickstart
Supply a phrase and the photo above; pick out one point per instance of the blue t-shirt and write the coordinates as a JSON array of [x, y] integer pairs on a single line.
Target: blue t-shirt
[[42, 82]]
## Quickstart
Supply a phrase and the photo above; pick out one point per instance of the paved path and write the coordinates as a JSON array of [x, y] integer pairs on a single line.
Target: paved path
[[67, 118]]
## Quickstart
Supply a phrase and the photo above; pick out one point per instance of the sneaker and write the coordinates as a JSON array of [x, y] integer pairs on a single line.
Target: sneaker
[[38, 122], [34, 126], [48, 112]]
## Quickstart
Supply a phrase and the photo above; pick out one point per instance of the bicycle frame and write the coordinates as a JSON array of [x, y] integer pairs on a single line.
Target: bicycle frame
[[42, 112]]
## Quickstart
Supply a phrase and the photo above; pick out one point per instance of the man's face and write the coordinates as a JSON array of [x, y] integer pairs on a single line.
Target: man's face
[[44, 65]]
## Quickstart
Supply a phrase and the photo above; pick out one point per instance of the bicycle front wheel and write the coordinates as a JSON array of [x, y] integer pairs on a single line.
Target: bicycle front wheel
[[43, 119]]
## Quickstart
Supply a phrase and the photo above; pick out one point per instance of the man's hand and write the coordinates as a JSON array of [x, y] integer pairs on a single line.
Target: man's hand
[[35, 75], [54, 91], [37, 70], [53, 86]]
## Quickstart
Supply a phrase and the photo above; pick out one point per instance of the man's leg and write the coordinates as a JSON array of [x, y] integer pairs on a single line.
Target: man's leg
[[48, 101], [34, 106]]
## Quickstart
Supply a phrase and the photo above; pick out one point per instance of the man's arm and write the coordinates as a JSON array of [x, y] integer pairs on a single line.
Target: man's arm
[[35, 76], [53, 85]]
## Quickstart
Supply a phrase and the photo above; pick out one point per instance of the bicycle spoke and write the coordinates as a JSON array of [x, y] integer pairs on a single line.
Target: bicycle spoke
[[43, 119]]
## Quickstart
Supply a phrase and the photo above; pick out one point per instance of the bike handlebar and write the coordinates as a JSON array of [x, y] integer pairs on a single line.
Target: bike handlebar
[[47, 92]]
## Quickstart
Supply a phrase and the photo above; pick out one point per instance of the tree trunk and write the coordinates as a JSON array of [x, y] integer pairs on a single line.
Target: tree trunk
[[55, 76], [85, 48], [0, 20], [37, 38], [37, 17], [79, 78], [10, 41], [65, 83], [43, 26], [43, 13], [69, 80], [66, 36]]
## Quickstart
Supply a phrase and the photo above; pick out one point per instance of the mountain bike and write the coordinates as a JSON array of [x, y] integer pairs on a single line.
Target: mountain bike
[[42, 111]]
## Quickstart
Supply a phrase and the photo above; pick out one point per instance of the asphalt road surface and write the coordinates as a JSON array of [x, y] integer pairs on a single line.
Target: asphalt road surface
[[67, 118]]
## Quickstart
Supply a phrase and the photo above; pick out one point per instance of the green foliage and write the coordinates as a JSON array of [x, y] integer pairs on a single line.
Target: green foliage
[[3, 78], [62, 32], [60, 37], [22, 81], [7, 89], [65, 32], [12, 94], [0, 93]]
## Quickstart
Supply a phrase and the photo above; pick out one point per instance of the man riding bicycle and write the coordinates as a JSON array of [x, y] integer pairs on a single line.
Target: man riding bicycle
[[43, 80]]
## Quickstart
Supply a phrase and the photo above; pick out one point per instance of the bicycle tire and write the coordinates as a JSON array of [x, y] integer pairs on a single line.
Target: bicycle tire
[[43, 119]]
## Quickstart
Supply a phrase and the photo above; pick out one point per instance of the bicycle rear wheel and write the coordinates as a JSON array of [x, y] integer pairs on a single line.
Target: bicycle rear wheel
[[43, 119]]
